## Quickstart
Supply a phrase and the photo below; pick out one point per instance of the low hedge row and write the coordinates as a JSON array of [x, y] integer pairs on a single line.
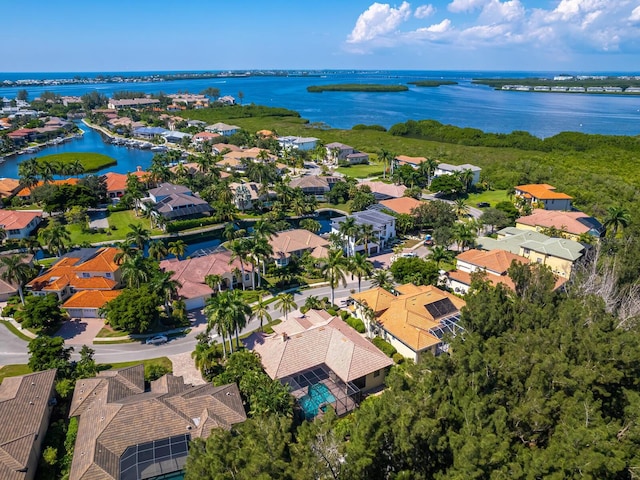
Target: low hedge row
[[179, 225], [388, 349]]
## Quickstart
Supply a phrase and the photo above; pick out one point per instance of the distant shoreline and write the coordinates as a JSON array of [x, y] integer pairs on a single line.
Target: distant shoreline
[[356, 87]]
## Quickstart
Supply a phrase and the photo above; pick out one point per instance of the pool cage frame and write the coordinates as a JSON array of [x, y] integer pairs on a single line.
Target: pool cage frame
[[347, 395]]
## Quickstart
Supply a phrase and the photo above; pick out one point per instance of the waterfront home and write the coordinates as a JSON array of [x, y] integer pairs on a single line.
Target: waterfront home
[[22, 136], [544, 196], [25, 193], [222, 148], [149, 132], [402, 205], [447, 169], [123, 124], [337, 151], [175, 202], [126, 432], [315, 185], [223, 129], [191, 274], [26, 403], [384, 229], [299, 143], [559, 254], [294, 243], [80, 269], [323, 360], [385, 191], [173, 136], [204, 137], [252, 154], [19, 224], [9, 289], [414, 321], [226, 100], [246, 194], [571, 225], [132, 103], [117, 182]]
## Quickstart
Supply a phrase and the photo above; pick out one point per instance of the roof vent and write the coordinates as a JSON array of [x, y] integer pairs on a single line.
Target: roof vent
[[188, 427], [31, 403], [33, 383]]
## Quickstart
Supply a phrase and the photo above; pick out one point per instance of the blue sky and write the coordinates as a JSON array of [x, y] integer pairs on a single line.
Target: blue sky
[[119, 35]]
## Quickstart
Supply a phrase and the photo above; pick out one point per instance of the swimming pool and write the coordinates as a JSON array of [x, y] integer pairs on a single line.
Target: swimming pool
[[317, 396]]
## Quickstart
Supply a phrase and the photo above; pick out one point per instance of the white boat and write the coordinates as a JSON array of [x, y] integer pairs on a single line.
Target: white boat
[[159, 148]]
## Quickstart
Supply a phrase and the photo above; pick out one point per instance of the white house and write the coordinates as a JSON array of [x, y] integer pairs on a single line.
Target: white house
[[384, 228], [223, 129], [300, 143], [447, 169]]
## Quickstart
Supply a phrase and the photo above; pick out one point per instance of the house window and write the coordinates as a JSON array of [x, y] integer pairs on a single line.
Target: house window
[[376, 373], [246, 277], [539, 260], [85, 275], [526, 251], [108, 274]]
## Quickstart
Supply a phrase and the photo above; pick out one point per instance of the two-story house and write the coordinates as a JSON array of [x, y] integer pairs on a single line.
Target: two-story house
[[384, 229], [544, 196], [175, 202]]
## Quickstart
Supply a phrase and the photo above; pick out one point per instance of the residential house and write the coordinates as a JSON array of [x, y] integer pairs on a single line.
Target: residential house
[[245, 194], [293, 243], [315, 185], [127, 433], [402, 205], [117, 182], [337, 151], [87, 303], [447, 169], [173, 136], [149, 132], [385, 191], [19, 223], [78, 270], [265, 134], [223, 129], [544, 196], [559, 254], [414, 321], [384, 228], [25, 193], [320, 357], [204, 137], [174, 202], [132, 103], [299, 143], [22, 136], [191, 274], [401, 160], [9, 289], [190, 100], [222, 148], [571, 225], [26, 403], [356, 158], [226, 100]]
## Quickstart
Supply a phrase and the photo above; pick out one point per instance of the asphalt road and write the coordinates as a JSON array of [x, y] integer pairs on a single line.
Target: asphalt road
[[13, 350]]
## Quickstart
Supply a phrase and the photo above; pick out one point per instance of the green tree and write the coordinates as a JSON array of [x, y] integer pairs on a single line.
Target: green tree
[[227, 312], [261, 312], [617, 218], [137, 235], [86, 366], [41, 312], [54, 237], [415, 270], [134, 310], [50, 352], [16, 271], [177, 248], [382, 278], [285, 303], [360, 266], [158, 250], [311, 225], [333, 270]]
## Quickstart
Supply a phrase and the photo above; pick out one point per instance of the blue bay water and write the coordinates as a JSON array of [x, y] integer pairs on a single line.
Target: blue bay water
[[463, 105]]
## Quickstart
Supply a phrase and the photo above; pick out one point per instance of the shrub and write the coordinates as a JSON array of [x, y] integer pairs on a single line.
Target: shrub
[[153, 372], [388, 349], [398, 358], [362, 126], [332, 312], [356, 324], [179, 225], [344, 315]]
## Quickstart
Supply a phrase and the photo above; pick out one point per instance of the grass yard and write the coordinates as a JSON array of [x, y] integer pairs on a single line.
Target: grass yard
[[15, 331], [90, 161], [490, 196], [13, 371], [361, 171], [120, 220], [160, 361]]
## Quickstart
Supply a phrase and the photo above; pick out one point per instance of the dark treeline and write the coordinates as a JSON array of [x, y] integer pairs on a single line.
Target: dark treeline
[[566, 141]]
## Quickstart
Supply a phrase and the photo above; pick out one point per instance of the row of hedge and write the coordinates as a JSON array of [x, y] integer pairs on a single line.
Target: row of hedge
[[179, 225]]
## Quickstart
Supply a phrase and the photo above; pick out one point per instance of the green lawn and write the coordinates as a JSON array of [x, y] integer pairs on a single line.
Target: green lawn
[[90, 161], [361, 171], [490, 196], [15, 331], [13, 371], [161, 361], [121, 220]]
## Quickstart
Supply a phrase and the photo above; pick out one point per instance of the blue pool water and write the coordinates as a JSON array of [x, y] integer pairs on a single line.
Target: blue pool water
[[318, 395]]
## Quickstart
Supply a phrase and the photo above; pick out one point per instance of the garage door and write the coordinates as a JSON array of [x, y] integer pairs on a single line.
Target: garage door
[[194, 303]]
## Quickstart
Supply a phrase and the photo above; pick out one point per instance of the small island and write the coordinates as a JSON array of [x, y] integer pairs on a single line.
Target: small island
[[432, 83], [356, 87], [92, 162]]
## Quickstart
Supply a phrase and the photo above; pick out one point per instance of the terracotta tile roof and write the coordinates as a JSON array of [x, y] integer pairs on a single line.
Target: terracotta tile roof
[[497, 261], [221, 147], [25, 192], [386, 189], [116, 413], [205, 136], [465, 278], [8, 186], [377, 298], [334, 344], [298, 240], [91, 298], [24, 402], [17, 219], [542, 191], [575, 223], [402, 204], [411, 160], [116, 182]]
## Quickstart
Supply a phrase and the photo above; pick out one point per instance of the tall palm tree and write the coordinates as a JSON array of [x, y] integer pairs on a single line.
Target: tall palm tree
[[285, 303], [349, 229], [262, 251], [428, 168], [76, 168], [16, 272], [54, 237], [264, 229], [460, 207], [333, 270], [466, 178], [167, 288], [360, 266], [46, 170], [367, 233], [137, 236], [464, 235], [240, 250], [261, 311], [617, 218], [177, 248], [125, 252], [231, 310], [382, 278], [158, 250], [439, 253], [135, 271], [386, 157], [217, 318], [214, 281]]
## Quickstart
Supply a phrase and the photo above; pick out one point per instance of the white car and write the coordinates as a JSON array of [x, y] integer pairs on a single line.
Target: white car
[[157, 340]]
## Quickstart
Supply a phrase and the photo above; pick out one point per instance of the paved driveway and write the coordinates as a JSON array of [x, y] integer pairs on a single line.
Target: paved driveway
[[98, 218], [80, 331]]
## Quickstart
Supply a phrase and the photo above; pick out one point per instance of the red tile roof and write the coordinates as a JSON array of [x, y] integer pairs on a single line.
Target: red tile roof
[[91, 298], [402, 204], [17, 219], [543, 191]]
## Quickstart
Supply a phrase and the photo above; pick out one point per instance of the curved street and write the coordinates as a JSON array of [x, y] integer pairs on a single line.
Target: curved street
[[14, 349]]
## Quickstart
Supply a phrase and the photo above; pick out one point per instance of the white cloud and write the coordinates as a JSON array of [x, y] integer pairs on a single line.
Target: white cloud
[[496, 11], [378, 20], [458, 6], [635, 15], [443, 26], [424, 11]]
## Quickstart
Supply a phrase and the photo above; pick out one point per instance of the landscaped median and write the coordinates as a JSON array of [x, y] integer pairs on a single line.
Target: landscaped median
[[107, 336]]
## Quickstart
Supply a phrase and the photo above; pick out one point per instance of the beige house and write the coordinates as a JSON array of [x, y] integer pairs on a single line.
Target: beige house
[[544, 196], [26, 403], [293, 243], [571, 225], [128, 433], [413, 321], [318, 354]]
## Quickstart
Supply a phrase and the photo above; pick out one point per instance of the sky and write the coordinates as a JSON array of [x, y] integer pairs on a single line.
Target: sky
[[139, 35]]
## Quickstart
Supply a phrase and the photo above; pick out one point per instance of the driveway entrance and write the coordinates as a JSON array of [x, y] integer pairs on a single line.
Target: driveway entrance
[[80, 331]]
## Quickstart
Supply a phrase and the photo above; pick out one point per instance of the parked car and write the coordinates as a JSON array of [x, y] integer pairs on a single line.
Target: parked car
[[157, 340], [483, 204]]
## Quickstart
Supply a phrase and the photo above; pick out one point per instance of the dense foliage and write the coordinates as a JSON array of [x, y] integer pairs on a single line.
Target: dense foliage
[[134, 310]]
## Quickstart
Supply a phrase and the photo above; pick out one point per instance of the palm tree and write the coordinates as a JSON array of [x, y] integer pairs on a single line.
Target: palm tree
[[158, 250], [333, 270], [439, 253], [349, 229], [76, 168], [228, 312], [264, 229], [617, 218], [262, 251], [464, 235], [261, 311], [3, 234], [167, 288], [461, 208], [428, 168], [367, 233], [16, 271], [360, 266], [382, 278], [310, 224], [46, 170], [285, 303], [239, 250], [125, 252], [177, 248], [54, 237], [214, 281], [135, 271], [466, 178], [138, 236], [386, 157]]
